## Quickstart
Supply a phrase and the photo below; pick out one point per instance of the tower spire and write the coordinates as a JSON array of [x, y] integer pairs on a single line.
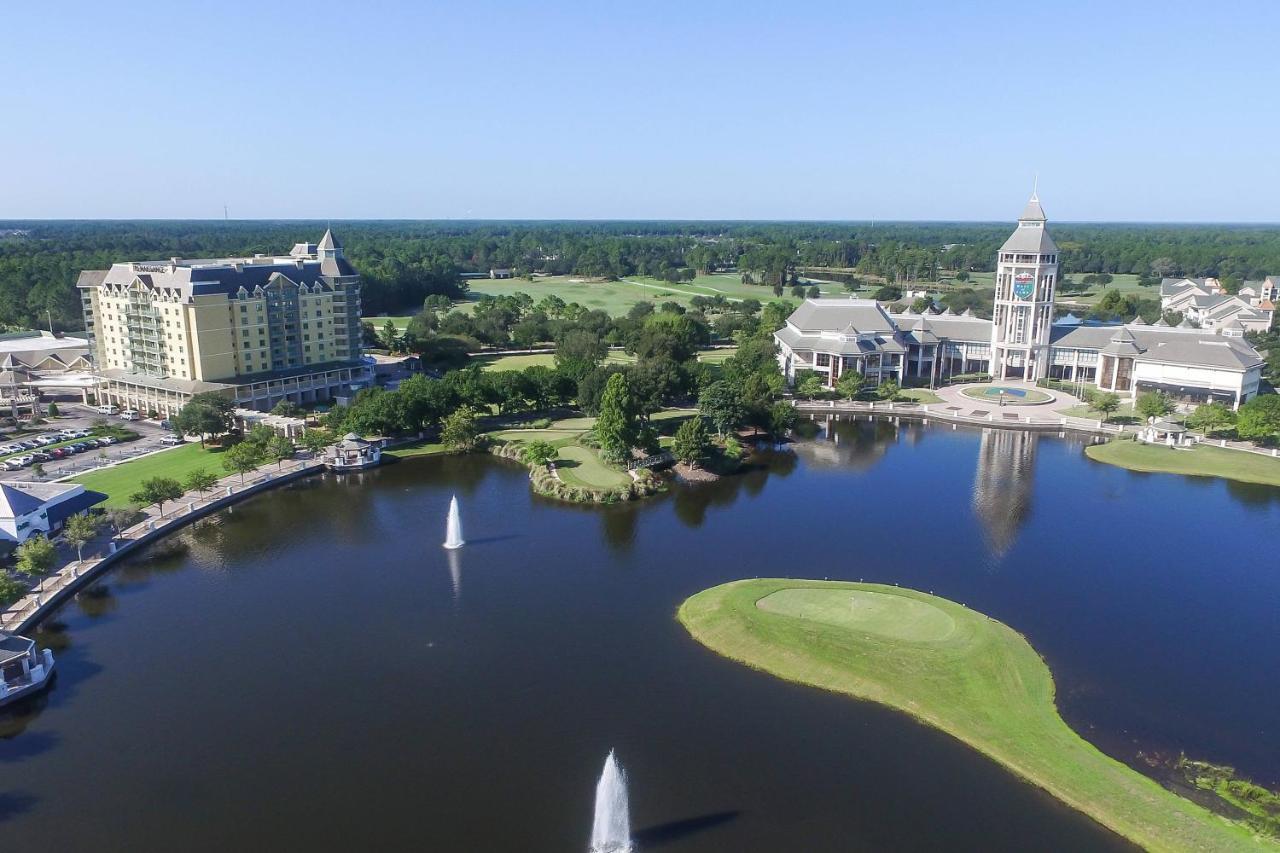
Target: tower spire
[[1035, 188]]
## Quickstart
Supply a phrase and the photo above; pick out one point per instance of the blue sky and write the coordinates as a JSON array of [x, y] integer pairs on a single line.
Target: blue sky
[[1146, 111]]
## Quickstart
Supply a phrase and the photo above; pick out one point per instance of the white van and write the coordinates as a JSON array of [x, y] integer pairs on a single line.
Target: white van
[[107, 410], [130, 415]]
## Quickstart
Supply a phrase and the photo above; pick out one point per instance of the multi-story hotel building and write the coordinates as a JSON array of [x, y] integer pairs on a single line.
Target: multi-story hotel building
[[1024, 341], [258, 329]]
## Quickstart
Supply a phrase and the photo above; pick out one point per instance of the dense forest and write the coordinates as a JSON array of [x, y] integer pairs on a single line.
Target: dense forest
[[404, 262]]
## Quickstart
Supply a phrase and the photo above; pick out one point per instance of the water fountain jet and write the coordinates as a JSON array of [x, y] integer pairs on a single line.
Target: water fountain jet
[[611, 829], [453, 529]]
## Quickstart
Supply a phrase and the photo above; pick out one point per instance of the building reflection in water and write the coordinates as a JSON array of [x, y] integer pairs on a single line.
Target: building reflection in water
[[1003, 484], [844, 441]]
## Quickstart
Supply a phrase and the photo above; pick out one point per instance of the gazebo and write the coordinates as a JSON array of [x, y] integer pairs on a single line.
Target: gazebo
[[1161, 431]]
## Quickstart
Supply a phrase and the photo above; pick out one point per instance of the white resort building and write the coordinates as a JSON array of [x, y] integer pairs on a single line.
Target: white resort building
[[832, 336], [257, 329]]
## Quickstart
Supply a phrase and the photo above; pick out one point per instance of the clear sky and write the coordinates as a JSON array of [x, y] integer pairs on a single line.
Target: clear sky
[[1153, 111]]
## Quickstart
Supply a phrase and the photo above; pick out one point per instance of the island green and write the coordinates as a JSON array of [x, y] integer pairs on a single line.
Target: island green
[[954, 669]]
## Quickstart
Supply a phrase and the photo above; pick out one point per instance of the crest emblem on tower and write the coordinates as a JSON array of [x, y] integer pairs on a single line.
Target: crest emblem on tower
[[1024, 284]]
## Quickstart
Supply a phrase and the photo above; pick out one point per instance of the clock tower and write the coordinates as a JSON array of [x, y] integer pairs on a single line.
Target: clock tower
[[1026, 277]]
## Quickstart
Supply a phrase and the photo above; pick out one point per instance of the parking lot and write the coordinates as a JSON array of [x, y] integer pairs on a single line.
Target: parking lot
[[80, 417]]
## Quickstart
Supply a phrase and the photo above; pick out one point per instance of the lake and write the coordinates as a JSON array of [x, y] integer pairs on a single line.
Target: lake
[[310, 670]]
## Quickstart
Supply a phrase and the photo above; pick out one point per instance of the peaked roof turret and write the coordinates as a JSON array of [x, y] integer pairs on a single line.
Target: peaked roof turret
[[1138, 321], [1160, 322], [1033, 212], [327, 241]]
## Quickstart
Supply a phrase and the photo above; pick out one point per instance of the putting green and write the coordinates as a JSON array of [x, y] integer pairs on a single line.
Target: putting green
[[959, 671], [891, 616]]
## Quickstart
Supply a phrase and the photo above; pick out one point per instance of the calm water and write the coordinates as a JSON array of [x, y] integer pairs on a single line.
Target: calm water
[[310, 670]]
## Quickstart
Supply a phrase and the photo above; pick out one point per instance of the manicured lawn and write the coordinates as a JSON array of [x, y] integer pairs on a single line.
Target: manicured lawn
[[1199, 460], [120, 481], [1124, 414], [378, 322], [421, 448], [920, 395], [582, 466], [717, 356], [545, 359], [1125, 283], [956, 670]]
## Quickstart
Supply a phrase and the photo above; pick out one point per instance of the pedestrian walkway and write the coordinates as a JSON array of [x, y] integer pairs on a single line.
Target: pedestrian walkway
[[73, 572]]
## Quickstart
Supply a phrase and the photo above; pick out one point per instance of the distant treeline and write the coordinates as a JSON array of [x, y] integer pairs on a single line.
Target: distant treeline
[[404, 262]]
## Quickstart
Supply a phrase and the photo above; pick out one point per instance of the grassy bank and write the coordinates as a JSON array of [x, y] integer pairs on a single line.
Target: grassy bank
[[120, 481], [1200, 460], [949, 667]]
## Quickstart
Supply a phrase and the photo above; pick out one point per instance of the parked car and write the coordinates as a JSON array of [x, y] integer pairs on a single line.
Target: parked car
[[166, 424], [10, 448], [28, 444], [23, 461], [107, 440], [46, 440], [40, 456], [130, 415], [172, 440], [13, 464], [58, 453]]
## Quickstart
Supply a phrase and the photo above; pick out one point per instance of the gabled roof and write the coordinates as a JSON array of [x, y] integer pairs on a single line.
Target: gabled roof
[[839, 315], [327, 241]]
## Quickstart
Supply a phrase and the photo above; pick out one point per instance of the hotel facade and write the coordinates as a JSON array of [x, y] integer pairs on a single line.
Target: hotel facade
[[257, 329], [1022, 341]]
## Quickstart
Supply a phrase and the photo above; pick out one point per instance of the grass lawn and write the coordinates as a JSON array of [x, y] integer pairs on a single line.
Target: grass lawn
[[582, 466], [1125, 283], [546, 359], [120, 481], [717, 356], [920, 395], [418, 448], [1199, 460], [1123, 415], [956, 670], [401, 323]]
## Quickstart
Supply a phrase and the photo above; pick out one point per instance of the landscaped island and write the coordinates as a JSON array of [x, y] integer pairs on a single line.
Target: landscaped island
[[1201, 460], [954, 669]]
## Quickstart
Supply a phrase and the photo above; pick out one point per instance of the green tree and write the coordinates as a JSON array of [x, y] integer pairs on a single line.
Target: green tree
[[1259, 419], [782, 417], [539, 453], [1153, 404], [36, 556], [616, 427], [122, 518], [315, 441], [578, 351], [1211, 417], [279, 449], [691, 441], [53, 410], [810, 385], [1104, 404], [721, 403], [37, 470], [389, 337], [159, 491], [287, 408], [80, 530], [850, 383], [203, 415], [242, 458], [201, 480], [889, 389], [11, 589], [460, 430]]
